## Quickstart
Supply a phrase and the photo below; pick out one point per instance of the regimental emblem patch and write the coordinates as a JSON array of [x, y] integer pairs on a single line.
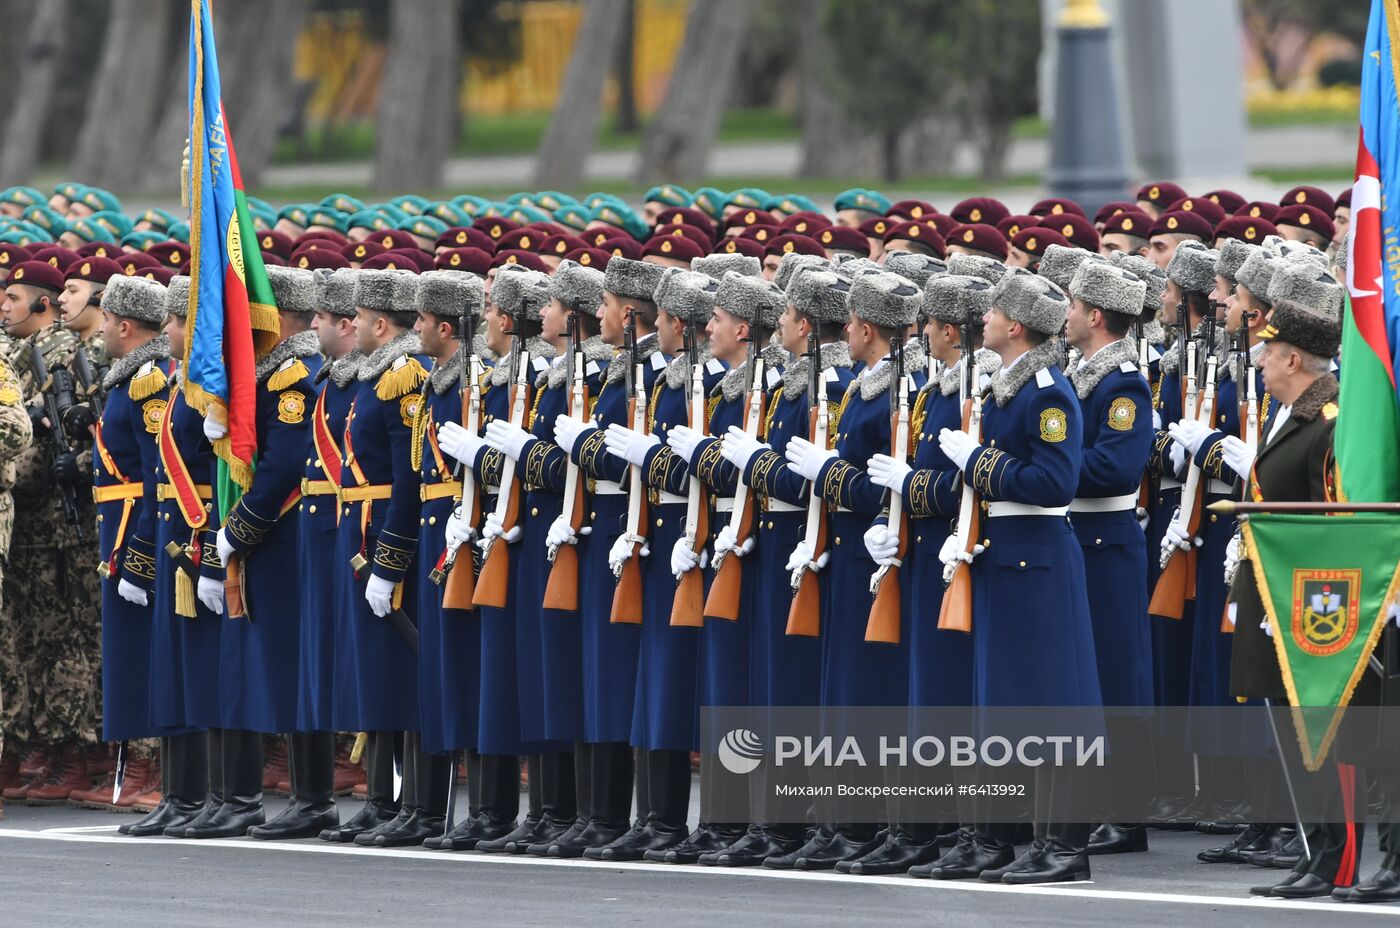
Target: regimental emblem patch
[[408, 408], [152, 411], [1052, 425], [291, 407], [1326, 609], [1122, 414]]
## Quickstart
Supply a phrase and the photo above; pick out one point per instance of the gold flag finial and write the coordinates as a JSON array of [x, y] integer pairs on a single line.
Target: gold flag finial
[[1082, 14]]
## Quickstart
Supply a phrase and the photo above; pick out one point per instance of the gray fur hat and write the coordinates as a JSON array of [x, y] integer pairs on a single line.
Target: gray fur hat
[[819, 294], [335, 290], [135, 298], [523, 293], [405, 292], [577, 287], [1150, 274], [1293, 252], [375, 290], [1031, 300], [1192, 268], [450, 294], [957, 299], [1059, 263], [852, 265], [635, 279], [752, 299], [1256, 273], [989, 269], [687, 295], [1340, 253], [177, 296], [719, 265], [915, 266], [1301, 282], [793, 262], [294, 289], [1308, 328], [885, 299], [1110, 288], [1233, 254]]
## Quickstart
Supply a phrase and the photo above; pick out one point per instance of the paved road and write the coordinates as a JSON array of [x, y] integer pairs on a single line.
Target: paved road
[[68, 867]]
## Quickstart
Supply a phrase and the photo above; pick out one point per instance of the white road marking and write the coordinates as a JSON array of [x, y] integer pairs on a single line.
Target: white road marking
[[1076, 890]]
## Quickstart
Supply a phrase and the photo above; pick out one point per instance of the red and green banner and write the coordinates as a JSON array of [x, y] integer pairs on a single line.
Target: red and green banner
[[1326, 583]]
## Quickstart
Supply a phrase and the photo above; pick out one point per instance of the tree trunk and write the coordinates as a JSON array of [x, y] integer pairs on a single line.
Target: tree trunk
[[831, 145], [680, 135], [417, 121], [19, 150], [163, 151], [928, 145], [127, 89], [624, 65], [573, 129]]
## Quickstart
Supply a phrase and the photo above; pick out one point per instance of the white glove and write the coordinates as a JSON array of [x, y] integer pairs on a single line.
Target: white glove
[[567, 431], [1230, 611], [211, 593], [1177, 455], [1190, 434], [379, 593], [1143, 517], [131, 592], [684, 440], [1237, 455], [1232, 558], [223, 546], [495, 528], [459, 443], [561, 533], [622, 550], [727, 540], [952, 552], [1175, 535], [509, 439], [631, 446], [458, 531], [1392, 613], [214, 428], [882, 543], [806, 458], [887, 472], [684, 559], [957, 445], [1157, 420], [801, 556], [1268, 629], [738, 448]]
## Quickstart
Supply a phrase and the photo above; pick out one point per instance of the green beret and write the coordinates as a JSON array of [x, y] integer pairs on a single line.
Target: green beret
[[551, 200], [392, 213], [790, 203], [573, 216], [495, 210], [427, 226], [747, 197], [449, 214], [294, 212], [594, 199], [70, 189], [17, 235], [263, 219], [515, 199], [528, 214], [161, 218], [710, 201], [180, 232], [330, 218], [469, 204], [116, 223], [23, 196], [143, 240], [367, 219], [90, 231], [47, 219], [410, 203], [100, 200], [343, 202], [670, 195], [872, 201], [35, 233], [260, 203]]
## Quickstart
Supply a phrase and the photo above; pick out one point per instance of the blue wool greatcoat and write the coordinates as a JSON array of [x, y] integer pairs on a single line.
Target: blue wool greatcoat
[[126, 531], [856, 672], [185, 649], [258, 656], [1030, 454], [321, 570], [376, 670], [1117, 436], [785, 670]]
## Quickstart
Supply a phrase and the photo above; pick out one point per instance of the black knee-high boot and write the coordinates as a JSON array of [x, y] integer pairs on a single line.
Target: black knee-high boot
[[380, 806], [242, 807], [511, 842], [426, 777], [185, 776], [609, 786], [311, 757], [142, 826]]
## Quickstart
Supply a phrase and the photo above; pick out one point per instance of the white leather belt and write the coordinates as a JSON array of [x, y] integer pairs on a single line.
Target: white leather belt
[[667, 499], [999, 509], [1219, 487], [1126, 502], [1170, 483], [777, 505], [724, 504], [608, 488]]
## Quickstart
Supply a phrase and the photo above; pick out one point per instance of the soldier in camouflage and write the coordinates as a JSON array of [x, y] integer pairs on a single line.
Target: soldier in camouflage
[[15, 436]]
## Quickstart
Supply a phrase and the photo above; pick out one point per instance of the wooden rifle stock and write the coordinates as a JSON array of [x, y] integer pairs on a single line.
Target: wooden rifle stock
[[805, 613], [723, 599], [627, 595], [493, 586], [561, 590], [459, 588], [885, 614], [955, 612], [1177, 582], [233, 587], [688, 606]]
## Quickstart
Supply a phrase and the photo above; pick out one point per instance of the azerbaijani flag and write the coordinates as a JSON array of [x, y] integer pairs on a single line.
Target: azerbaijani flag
[[1368, 425], [232, 314]]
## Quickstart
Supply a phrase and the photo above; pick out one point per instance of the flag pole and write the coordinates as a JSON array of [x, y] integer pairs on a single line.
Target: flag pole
[[1235, 507]]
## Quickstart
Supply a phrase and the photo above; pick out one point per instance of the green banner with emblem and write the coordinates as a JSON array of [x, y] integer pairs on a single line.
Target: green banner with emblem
[[1326, 582]]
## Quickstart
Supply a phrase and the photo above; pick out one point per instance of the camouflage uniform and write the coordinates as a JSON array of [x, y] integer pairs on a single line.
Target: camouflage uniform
[[80, 571], [46, 551], [15, 436]]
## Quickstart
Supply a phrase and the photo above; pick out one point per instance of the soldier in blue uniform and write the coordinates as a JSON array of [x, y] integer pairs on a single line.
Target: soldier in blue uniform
[[1026, 469], [515, 300], [124, 490], [856, 672], [1116, 408], [188, 605], [940, 660]]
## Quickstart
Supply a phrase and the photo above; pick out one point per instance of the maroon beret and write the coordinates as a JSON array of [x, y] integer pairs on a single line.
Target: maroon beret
[[560, 244], [1111, 208], [1208, 210], [738, 246], [590, 257], [270, 258], [393, 238], [161, 275], [494, 226], [1307, 216], [844, 238], [979, 236], [922, 232], [1181, 223], [1343, 200], [94, 268], [1015, 223], [795, 244], [1079, 230], [37, 274], [417, 256], [526, 259], [1034, 240], [596, 237], [1160, 193], [688, 215], [310, 259], [672, 246], [470, 259], [1259, 209], [389, 261], [621, 245], [681, 230], [521, 240], [1128, 222], [911, 209], [877, 227], [986, 210], [275, 242], [1304, 195], [466, 237], [356, 252], [174, 254], [747, 218], [1245, 228], [11, 255], [945, 223], [328, 235], [134, 262], [55, 256], [1227, 200], [761, 234], [99, 250], [1053, 206], [805, 222]]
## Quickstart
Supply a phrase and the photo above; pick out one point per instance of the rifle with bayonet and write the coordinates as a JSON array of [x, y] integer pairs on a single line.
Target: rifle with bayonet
[[688, 608], [804, 615], [955, 613], [459, 573], [627, 595], [884, 620], [561, 591], [492, 587]]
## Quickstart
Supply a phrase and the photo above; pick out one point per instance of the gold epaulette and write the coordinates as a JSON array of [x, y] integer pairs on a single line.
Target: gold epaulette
[[147, 384], [287, 375], [400, 380]]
